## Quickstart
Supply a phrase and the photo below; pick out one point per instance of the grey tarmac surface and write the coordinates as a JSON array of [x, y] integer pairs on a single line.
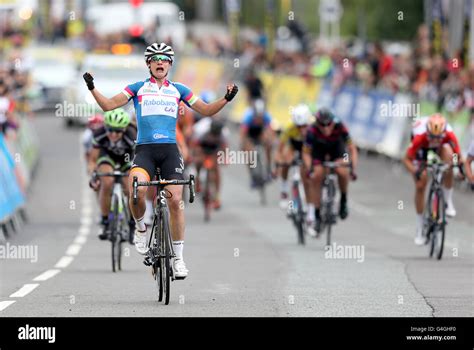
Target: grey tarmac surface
[[246, 261]]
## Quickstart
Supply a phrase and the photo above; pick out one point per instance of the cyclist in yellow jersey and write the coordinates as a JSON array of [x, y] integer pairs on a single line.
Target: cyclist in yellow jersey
[[291, 141]]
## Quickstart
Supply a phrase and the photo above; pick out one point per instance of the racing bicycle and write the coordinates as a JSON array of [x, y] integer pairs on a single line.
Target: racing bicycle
[[160, 245]]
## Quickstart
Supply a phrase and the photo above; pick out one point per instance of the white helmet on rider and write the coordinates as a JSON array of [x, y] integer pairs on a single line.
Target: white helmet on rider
[[301, 115], [158, 49]]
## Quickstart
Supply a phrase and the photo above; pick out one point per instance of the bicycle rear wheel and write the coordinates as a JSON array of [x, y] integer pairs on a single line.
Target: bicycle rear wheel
[[207, 198], [259, 175], [438, 238]]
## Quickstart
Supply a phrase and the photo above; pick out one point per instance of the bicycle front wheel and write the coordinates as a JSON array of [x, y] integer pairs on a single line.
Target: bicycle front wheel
[[155, 252], [207, 198], [440, 226], [330, 217], [299, 215], [166, 255], [115, 236]]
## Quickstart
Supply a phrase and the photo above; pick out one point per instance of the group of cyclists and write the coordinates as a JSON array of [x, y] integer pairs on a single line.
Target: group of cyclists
[[166, 134]]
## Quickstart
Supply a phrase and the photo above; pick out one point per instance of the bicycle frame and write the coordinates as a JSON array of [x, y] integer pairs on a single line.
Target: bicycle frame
[[118, 192], [328, 194]]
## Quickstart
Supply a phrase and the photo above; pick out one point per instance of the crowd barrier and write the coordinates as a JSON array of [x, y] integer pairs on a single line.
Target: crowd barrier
[[282, 93], [18, 157], [373, 119], [368, 115]]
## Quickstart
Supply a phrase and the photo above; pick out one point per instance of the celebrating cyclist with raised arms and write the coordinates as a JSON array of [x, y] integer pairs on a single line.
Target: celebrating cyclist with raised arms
[[156, 101]]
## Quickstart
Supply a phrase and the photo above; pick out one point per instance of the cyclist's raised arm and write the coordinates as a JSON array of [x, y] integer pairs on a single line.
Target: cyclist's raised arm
[[208, 109], [212, 108], [107, 104]]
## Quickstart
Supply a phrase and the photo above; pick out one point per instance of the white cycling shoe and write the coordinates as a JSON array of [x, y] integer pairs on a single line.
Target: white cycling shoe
[[419, 239], [310, 228], [284, 201], [450, 211], [140, 242], [179, 269]]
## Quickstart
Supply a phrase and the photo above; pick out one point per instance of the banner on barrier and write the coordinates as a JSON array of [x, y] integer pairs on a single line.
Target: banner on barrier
[[369, 117], [282, 93], [10, 194], [200, 74]]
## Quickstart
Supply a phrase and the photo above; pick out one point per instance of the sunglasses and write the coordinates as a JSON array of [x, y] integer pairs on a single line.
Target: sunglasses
[[157, 58], [325, 125], [116, 130], [436, 137]]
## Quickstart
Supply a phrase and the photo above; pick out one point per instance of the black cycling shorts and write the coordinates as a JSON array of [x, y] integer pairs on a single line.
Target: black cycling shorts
[[121, 162], [254, 132], [165, 156], [297, 145], [330, 152]]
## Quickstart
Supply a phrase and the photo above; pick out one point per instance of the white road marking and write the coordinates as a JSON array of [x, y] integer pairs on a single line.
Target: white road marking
[[84, 230], [74, 249], [25, 290], [46, 275], [5, 304], [86, 210], [86, 221], [81, 239], [64, 262]]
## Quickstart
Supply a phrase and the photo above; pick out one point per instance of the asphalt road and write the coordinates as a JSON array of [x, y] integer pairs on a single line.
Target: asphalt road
[[245, 262]]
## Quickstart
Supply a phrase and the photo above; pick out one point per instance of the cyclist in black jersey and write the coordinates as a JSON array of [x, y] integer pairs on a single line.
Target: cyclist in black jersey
[[113, 147]]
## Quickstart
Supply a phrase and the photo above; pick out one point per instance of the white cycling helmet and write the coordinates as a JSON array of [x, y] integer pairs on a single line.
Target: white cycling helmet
[[301, 115], [159, 49]]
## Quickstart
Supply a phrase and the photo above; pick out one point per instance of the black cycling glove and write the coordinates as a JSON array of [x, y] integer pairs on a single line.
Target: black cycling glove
[[89, 79], [231, 94]]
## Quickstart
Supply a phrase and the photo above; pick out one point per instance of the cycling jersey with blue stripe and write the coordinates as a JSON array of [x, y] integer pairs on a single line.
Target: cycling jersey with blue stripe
[[249, 119], [157, 108]]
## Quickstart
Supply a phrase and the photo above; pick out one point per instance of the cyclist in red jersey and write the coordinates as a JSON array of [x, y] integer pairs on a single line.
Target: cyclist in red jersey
[[432, 134]]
